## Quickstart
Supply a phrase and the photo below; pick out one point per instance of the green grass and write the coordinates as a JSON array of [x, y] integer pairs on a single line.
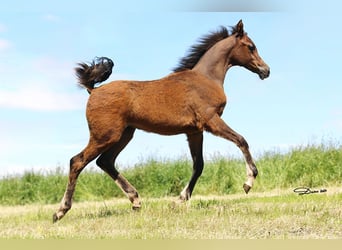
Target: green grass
[[277, 215], [219, 208], [312, 166]]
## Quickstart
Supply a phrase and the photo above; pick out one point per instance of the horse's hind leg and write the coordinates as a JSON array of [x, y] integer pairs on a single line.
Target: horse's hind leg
[[218, 127], [107, 160], [195, 144], [77, 164]]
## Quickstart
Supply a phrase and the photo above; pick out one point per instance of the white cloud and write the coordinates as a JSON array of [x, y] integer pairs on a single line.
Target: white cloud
[[4, 44], [58, 71], [41, 99], [41, 84], [51, 18], [3, 28]]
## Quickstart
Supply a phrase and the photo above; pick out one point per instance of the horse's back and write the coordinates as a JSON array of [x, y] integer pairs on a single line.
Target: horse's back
[[175, 104]]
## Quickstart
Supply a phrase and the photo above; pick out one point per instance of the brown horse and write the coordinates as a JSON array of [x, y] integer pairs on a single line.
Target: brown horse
[[190, 101]]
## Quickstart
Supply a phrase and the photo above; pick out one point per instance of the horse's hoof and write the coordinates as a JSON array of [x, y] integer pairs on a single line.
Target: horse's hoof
[[179, 201], [246, 188], [136, 206]]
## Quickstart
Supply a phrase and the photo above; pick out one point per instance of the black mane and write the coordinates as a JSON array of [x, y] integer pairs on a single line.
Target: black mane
[[198, 50]]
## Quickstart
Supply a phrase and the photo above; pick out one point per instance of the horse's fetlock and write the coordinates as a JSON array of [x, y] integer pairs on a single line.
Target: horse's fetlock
[[255, 172], [67, 204]]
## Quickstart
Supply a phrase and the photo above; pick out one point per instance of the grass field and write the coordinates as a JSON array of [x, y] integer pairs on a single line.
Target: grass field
[[271, 215], [218, 210]]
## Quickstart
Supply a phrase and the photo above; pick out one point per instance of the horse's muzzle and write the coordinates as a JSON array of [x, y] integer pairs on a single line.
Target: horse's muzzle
[[264, 72]]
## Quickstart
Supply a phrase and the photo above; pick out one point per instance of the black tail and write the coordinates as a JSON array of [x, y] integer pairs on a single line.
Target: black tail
[[97, 71]]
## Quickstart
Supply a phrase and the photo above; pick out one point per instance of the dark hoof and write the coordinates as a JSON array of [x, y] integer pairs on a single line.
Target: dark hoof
[[246, 188], [182, 199], [136, 207], [179, 201]]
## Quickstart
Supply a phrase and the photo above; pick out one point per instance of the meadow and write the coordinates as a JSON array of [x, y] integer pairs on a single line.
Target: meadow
[[219, 209]]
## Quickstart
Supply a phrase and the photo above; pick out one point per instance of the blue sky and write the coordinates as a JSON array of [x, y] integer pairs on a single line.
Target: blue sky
[[42, 111]]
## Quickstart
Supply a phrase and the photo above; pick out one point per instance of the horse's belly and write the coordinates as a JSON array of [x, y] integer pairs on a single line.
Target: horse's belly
[[165, 126]]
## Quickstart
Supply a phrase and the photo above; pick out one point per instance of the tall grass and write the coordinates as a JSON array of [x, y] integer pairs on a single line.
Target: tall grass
[[313, 166]]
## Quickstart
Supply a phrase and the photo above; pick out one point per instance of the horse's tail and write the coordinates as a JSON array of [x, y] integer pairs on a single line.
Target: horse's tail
[[97, 71]]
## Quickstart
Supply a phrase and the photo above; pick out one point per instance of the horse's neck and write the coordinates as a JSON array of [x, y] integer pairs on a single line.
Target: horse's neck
[[215, 62]]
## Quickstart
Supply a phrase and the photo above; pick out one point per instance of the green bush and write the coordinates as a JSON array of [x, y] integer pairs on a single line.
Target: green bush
[[312, 166]]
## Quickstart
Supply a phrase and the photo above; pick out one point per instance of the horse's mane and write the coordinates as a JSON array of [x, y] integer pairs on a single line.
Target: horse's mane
[[196, 51]]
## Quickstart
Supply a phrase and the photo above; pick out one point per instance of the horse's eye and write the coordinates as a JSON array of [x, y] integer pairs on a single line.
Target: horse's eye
[[251, 48]]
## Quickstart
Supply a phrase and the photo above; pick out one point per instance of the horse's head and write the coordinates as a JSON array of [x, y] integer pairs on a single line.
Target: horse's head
[[245, 53]]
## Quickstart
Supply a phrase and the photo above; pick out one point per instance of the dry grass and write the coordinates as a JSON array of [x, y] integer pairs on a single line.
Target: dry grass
[[278, 214]]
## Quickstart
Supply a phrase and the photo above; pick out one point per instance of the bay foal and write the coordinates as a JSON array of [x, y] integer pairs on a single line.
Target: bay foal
[[189, 101]]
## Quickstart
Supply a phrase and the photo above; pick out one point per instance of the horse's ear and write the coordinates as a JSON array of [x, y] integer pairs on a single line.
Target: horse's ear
[[239, 29]]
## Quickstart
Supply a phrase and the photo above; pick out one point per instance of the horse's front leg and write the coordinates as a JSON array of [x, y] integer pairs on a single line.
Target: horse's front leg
[[218, 127], [195, 145]]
